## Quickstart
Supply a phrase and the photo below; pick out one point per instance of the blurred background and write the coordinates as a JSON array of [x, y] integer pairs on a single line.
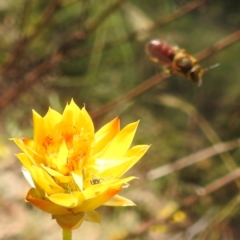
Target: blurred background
[[94, 51]]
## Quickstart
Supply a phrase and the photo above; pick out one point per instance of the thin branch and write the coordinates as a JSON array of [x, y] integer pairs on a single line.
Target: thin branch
[[193, 159], [179, 13], [91, 27], [18, 50], [187, 202], [223, 43], [203, 124], [219, 183], [23, 15], [131, 94], [227, 212], [30, 78], [151, 82], [133, 35], [16, 89]]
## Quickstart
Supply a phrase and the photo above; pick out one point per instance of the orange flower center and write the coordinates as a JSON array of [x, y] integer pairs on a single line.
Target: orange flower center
[[78, 142]]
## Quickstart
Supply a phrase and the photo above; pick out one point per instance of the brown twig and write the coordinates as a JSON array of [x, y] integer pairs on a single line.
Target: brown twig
[[18, 50], [131, 94], [16, 89], [133, 35], [29, 79], [40, 70], [151, 82], [187, 202], [203, 124], [223, 43], [179, 13], [57, 57], [103, 15], [193, 159], [219, 183], [23, 15]]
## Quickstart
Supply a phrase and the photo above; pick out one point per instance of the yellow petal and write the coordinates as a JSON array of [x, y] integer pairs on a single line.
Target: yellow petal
[[57, 175], [94, 190], [78, 178], [68, 117], [39, 127], [29, 143], [133, 155], [92, 216], [51, 119], [99, 200], [26, 162], [80, 118], [74, 107], [70, 221], [90, 192], [74, 110], [106, 134], [52, 172], [86, 122], [33, 156], [67, 200], [44, 181], [37, 200], [117, 201], [44, 126], [118, 167], [62, 158], [20, 143], [121, 142]]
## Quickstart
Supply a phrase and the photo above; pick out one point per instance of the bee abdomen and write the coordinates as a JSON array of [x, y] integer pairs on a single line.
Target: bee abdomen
[[160, 51]]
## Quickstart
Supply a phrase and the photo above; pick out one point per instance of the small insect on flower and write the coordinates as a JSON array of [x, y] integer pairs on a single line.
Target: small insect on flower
[[95, 180], [175, 60]]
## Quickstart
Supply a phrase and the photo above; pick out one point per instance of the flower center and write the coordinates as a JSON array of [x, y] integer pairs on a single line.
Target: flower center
[[79, 145]]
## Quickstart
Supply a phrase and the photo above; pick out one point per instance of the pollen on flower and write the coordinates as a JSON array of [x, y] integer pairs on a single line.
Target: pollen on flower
[[78, 154], [51, 144]]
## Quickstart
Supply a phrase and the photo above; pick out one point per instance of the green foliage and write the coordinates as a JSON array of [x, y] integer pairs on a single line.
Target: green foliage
[[95, 59]]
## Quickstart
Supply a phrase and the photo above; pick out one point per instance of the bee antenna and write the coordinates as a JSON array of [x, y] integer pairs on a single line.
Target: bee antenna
[[211, 67]]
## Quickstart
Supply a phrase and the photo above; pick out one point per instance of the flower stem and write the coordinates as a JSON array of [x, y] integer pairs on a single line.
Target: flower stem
[[67, 235]]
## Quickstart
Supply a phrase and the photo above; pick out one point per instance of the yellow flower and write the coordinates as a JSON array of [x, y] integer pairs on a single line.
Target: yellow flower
[[72, 169]]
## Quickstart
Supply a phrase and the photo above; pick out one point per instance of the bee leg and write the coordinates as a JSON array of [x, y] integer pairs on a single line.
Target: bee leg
[[168, 70]]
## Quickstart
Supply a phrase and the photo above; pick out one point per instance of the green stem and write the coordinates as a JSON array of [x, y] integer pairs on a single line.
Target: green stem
[[67, 235]]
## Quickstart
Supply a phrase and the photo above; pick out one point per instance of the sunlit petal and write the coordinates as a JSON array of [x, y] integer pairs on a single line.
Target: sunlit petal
[[106, 134], [62, 157], [92, 216], [67, 200], [36, 199], [78, 178], [99, 200], [118, 167], [44, 181], [121, 142], [117, 201]]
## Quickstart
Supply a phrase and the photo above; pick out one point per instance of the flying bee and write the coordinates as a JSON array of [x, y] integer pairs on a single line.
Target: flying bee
[[175, 60]]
